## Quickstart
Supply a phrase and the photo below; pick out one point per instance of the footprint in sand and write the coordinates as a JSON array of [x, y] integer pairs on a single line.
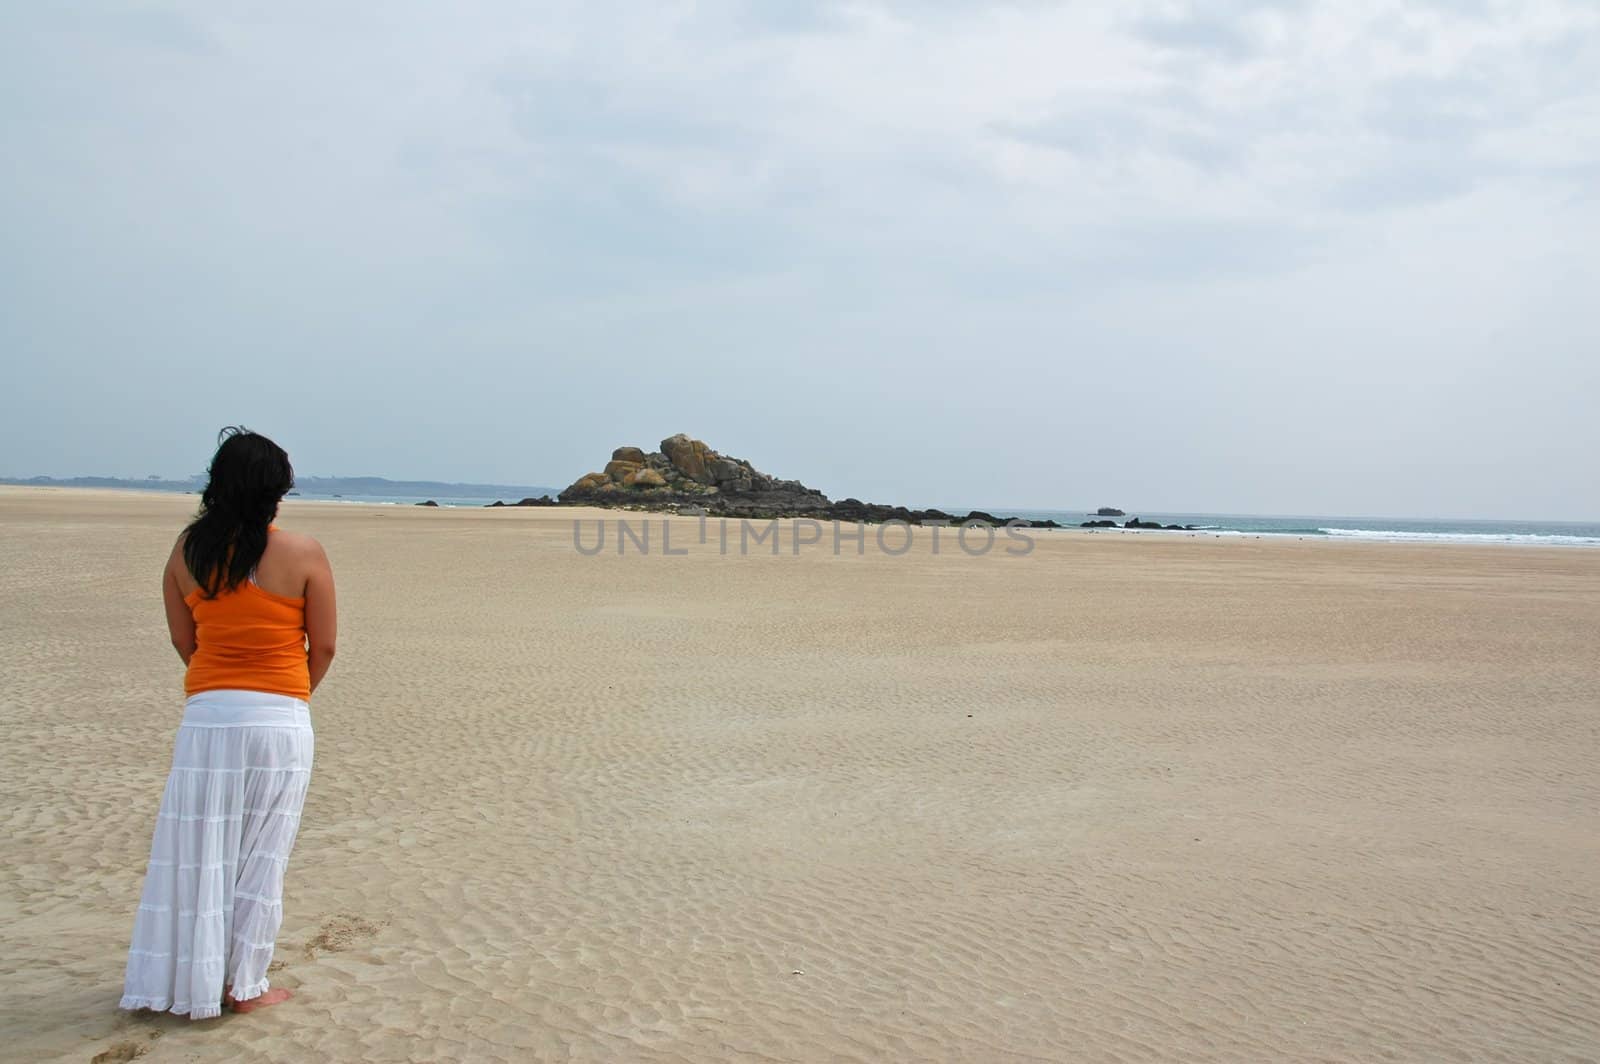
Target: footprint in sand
[[121, 1052], [117, 1054], [340, 932]]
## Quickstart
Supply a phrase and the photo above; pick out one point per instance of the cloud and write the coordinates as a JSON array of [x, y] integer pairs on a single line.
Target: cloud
[[715, 197], [1221, 33]]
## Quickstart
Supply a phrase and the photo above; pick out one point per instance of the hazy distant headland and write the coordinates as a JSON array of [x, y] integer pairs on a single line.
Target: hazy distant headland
[[368, 487]]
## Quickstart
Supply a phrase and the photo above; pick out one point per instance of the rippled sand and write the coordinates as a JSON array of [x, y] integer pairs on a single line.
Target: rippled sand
[[1124, 798]]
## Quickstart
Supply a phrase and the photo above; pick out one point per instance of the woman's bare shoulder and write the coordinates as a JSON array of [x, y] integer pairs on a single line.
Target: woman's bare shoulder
[[298, 543], [178, 568]]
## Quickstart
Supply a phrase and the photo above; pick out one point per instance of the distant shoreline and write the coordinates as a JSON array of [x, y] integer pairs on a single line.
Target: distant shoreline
[[1554, 534], [306, 486]]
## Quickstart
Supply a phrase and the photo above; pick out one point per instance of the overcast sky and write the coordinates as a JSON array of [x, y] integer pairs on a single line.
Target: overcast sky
[[1259, 256]]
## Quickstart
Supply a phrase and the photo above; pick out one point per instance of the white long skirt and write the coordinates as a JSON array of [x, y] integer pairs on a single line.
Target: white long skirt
[[213, 891]]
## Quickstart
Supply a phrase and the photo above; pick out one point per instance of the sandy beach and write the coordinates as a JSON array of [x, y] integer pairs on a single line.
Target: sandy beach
[[1121, 798]]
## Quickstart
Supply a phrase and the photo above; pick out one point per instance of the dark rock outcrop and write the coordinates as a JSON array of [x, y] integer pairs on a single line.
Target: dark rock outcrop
[[1134, 522], [543, 500], [1109, 511], [1107, 523], [688, 475], [430, 502]]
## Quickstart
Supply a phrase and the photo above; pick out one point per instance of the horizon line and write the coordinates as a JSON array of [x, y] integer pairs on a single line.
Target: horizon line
[[139, 483]]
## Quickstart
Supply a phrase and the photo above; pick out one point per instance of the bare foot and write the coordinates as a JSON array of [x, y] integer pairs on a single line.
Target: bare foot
[[260, 1001]]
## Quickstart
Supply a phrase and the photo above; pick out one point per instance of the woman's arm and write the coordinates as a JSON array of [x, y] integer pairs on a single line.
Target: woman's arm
[[180, 622], [322, 615]]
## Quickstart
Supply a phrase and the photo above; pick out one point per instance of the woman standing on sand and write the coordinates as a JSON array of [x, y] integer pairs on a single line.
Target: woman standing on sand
[[251, 612]]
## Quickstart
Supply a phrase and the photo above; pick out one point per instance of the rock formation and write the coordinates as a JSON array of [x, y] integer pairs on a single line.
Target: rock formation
[[1135, 522], [687, 474], [543, 500]]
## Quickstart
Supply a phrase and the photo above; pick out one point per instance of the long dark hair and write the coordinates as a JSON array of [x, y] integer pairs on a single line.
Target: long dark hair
[[248, 476]]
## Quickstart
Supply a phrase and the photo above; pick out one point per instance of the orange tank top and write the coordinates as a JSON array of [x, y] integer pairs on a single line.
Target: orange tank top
[[248, 639]]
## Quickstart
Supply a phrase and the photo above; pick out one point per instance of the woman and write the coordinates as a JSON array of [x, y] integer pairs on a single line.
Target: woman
[[251, 612]]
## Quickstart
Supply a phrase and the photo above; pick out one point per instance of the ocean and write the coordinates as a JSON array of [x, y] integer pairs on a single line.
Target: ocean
[[1392, 529], [408, 500]]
